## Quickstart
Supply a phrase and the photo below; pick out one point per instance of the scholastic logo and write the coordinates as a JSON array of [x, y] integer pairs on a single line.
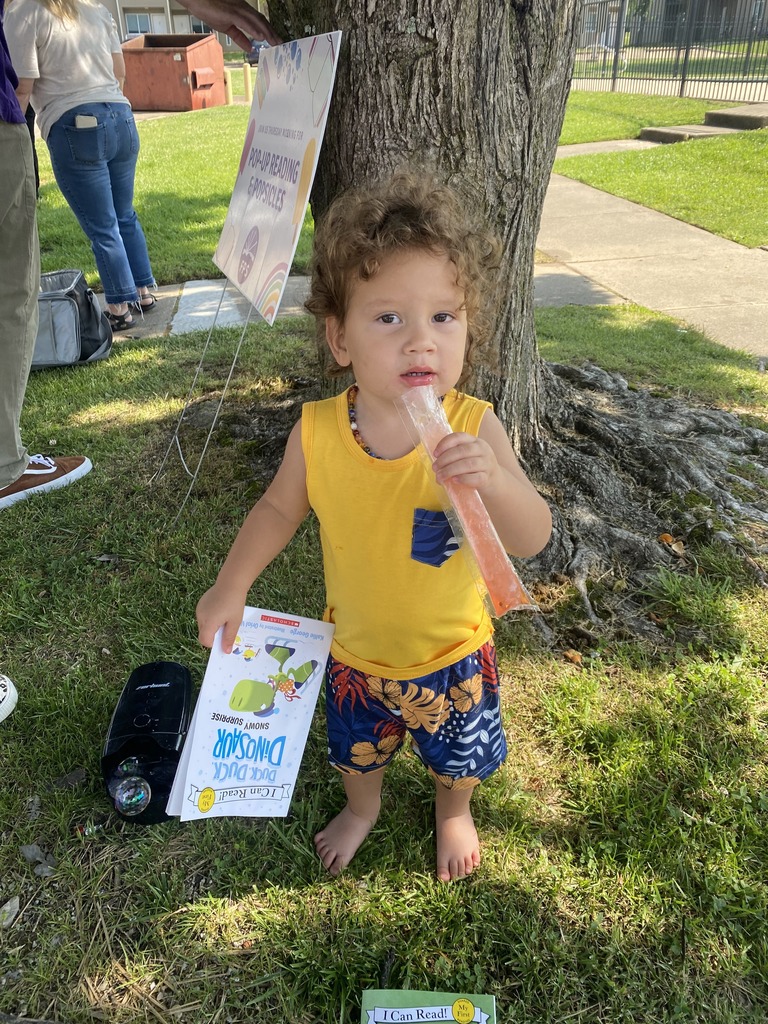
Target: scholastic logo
[[279, 621]]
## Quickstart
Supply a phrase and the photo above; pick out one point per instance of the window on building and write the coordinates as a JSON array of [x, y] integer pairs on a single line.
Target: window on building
[[137, 24], [199, 28]]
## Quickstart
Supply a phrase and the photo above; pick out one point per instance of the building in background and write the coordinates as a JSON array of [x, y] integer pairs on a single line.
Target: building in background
[[671, 22], [160, 17]]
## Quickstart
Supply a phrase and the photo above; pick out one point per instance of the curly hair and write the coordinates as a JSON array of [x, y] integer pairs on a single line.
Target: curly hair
[[365, 226]]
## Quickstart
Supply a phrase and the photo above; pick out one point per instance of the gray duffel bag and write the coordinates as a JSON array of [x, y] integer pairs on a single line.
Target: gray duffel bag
[[72, 329]]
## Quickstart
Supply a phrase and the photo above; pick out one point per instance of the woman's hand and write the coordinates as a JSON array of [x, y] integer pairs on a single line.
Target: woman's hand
[[235, 18]]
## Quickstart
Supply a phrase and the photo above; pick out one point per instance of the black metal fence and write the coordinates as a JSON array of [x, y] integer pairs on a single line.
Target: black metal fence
[[716, 49]]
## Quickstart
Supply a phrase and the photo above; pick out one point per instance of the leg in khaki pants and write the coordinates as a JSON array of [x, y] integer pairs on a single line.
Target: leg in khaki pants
[[20, 475], [19, 284]]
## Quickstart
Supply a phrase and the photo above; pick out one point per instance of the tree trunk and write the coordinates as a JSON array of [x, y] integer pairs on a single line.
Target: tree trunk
[[475, 89]]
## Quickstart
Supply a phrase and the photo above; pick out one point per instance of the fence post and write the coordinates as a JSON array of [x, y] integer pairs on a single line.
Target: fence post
[[247, 82], [621, 21], [693, 10], [752, 37]]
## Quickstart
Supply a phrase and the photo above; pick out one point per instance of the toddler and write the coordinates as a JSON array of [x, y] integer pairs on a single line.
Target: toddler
[[398, 286]]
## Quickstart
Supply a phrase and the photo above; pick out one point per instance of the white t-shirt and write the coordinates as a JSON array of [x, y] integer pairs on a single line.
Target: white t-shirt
[[70, 61]]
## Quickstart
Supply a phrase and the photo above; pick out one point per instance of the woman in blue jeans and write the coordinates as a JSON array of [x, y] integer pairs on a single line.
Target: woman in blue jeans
[[70, 65]]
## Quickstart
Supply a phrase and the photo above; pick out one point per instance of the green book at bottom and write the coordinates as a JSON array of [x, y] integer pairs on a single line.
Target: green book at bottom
[[392, 1006]]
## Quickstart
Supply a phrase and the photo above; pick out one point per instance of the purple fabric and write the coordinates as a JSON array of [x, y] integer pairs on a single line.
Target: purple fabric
[[9, 106]]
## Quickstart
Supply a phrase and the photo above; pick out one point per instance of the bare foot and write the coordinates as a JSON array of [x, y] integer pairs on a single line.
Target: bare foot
[[458, 847], [337, 844]]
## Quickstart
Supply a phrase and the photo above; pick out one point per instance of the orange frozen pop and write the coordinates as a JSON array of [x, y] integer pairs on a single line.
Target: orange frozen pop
[[465, 509]]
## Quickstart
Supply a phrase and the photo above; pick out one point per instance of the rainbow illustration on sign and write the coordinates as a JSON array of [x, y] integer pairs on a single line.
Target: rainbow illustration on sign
[[269, 296]]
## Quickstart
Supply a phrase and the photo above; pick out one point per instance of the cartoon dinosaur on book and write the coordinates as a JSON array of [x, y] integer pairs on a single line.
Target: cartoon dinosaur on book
[[259, 697]]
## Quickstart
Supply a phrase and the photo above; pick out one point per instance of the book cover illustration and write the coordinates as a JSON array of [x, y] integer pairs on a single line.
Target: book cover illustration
[[252, 717], [390, 1006]]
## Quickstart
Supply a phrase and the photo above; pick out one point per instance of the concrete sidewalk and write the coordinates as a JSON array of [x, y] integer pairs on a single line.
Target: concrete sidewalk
[[197, 305], [654, 260], [603, 250]]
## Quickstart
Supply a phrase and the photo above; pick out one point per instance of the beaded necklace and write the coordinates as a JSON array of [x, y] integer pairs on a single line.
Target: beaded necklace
[[351, 409]]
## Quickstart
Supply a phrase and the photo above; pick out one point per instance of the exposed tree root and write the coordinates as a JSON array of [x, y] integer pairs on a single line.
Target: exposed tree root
[[634, 479]]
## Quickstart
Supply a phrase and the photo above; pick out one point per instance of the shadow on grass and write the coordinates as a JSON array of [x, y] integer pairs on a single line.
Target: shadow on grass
[[652, 351], [636, 893], [182, 233], [553, 924], [552, 928]]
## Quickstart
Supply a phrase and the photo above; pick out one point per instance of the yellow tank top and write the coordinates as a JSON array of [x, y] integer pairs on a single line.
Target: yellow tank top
[[401, 596]]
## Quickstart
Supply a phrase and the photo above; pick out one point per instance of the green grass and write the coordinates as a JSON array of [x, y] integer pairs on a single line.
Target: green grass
[[184, 179], [625, 840], [656, 352], [719, 184], [182, 199], [602, 116]]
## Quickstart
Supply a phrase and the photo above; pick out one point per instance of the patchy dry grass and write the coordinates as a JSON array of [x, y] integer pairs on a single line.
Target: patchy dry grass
[[625, 849]]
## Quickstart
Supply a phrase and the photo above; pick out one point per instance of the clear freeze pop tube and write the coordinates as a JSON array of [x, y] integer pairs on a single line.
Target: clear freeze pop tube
[[494, 575]]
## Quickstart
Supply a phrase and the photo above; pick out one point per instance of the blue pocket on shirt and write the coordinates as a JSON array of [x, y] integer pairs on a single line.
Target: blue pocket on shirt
[[432, 542]]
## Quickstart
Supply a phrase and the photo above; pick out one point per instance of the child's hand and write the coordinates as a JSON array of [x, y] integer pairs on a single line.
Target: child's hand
[[468, 460], [219, 606], [487, 463]]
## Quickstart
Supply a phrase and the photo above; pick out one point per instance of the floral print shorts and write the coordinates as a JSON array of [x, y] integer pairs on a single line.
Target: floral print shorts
[[452, 715]]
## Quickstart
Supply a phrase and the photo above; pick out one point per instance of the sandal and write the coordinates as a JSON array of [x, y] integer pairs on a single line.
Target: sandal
[[120, 321], [144, 303]]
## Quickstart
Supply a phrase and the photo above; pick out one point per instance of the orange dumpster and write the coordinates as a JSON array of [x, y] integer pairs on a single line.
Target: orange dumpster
[[174, 72]]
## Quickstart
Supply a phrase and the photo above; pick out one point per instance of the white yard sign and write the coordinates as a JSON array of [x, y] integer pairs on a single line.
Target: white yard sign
[[293, 91]]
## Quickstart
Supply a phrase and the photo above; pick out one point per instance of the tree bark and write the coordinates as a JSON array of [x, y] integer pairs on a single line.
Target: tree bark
[[476, 90]]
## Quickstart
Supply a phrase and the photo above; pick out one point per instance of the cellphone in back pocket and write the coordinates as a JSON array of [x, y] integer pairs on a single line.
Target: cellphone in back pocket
[[86, 121]]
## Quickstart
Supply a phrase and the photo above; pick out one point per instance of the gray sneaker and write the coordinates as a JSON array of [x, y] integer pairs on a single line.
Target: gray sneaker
[[8, 697]]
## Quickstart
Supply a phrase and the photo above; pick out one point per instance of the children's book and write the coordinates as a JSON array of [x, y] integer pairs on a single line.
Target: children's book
[[392, 1006], [250, 724]]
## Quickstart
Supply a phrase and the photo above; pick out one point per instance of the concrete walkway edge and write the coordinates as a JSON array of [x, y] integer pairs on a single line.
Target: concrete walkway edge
[[603, 250], [651, 259]]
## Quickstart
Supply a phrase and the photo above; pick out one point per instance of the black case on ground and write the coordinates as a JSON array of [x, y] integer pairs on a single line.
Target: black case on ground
[[145, 739]]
